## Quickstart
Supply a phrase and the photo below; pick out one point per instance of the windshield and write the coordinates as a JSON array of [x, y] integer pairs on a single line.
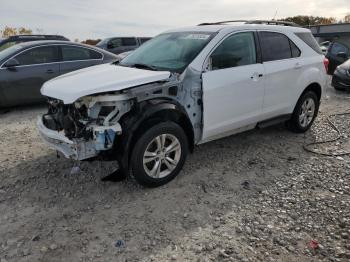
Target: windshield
[[170, 51], [8, 51]]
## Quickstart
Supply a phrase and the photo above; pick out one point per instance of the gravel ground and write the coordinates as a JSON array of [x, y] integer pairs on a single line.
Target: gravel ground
[[256, 196]]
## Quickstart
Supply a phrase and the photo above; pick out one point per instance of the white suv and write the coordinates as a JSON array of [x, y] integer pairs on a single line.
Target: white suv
[[185, 87]]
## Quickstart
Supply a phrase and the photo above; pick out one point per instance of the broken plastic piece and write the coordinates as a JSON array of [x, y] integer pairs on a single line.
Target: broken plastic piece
[[314, 244]]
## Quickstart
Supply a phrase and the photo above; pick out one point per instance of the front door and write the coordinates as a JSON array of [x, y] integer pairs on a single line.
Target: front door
[[233, 87], [22, 84]]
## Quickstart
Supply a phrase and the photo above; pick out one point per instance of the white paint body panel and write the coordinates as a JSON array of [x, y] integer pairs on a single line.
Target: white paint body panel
[[231, 99], [98, 79], [232, 110]]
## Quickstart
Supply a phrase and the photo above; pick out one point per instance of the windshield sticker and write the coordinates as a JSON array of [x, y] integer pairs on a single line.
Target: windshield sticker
[[197, 36]]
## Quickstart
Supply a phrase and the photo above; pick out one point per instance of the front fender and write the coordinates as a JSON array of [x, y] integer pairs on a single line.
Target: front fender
[[139, 119]]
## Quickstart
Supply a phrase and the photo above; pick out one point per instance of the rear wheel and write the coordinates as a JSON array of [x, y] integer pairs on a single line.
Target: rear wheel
[[304, 113], [159, 154]]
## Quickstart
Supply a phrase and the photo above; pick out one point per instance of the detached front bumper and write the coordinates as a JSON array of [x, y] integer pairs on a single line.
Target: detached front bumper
[[74, 149]]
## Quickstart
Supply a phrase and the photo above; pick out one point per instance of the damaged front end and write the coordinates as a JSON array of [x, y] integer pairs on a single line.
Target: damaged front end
[[85, 128]]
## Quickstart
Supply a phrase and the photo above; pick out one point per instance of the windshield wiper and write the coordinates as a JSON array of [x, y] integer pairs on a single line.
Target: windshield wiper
[[144, 66]]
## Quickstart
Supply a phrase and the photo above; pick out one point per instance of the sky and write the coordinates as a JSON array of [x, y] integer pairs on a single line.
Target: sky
[[92, 19]]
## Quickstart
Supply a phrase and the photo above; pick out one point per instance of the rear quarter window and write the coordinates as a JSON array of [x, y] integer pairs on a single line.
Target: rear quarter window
[[309, 39]]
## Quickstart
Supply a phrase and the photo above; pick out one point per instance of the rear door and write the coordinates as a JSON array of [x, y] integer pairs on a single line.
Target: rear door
[[22, 84], [77, 57], [233, 86], [282, 64]]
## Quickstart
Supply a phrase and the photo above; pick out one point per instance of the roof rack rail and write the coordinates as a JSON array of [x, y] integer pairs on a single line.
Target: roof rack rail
[[224, 22], [267, 22]]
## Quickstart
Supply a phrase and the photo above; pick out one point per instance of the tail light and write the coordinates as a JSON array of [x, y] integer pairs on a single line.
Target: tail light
[[326, 63]]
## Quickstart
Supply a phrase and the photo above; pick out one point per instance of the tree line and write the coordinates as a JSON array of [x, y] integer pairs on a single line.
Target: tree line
[[304, 20]]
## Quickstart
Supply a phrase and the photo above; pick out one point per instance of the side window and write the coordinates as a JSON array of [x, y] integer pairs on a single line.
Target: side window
[[95, 55], [295, 50], [338, 48], [114, 43], [275, 46], [144, 39], [236, 50], [38, 55], [308, 39], [74, 53], [128, 41]]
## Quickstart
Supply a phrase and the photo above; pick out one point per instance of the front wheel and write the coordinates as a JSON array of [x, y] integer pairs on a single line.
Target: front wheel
[[159, 154], [304, 113]]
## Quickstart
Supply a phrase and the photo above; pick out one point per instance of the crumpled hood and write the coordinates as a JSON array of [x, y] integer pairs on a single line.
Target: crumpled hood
[[98, 79]]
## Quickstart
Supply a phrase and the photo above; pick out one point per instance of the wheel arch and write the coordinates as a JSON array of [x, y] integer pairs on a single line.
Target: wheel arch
[[144, 115], [315, 87]]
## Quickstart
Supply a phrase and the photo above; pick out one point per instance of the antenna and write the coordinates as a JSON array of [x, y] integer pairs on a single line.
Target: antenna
[[275, 15]]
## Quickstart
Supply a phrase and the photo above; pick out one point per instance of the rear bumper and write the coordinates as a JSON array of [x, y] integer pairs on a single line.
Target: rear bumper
[[74, 149]]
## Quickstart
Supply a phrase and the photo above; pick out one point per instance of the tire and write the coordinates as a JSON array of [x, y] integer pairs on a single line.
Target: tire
[[302, 119], [150, 152]]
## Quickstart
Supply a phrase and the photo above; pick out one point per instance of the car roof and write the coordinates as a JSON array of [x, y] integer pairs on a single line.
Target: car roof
[[239, 26], [27, 45], [53, 42], [35, 36]]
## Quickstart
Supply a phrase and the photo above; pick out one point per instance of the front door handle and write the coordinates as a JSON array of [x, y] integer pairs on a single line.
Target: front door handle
[[49, 71], [256, 76]]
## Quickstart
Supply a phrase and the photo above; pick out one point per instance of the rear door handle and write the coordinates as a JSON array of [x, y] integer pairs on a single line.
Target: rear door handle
[[49, 71]]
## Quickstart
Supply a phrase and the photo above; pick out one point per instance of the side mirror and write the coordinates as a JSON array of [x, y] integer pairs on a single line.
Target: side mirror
[[342, 55], [11, 64]]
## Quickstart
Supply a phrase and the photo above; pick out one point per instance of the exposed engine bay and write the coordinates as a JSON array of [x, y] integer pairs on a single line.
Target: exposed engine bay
[[91, 122], [90, 125]]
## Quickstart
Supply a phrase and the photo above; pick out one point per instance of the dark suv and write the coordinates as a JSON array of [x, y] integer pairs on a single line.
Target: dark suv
[[338, 52], [16, 39]]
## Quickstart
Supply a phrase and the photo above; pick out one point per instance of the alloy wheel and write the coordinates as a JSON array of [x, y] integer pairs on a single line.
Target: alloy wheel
[[307, 112], [161, 156]]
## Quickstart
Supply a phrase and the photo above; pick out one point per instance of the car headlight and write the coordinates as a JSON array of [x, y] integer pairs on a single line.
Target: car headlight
[[341, 70]]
